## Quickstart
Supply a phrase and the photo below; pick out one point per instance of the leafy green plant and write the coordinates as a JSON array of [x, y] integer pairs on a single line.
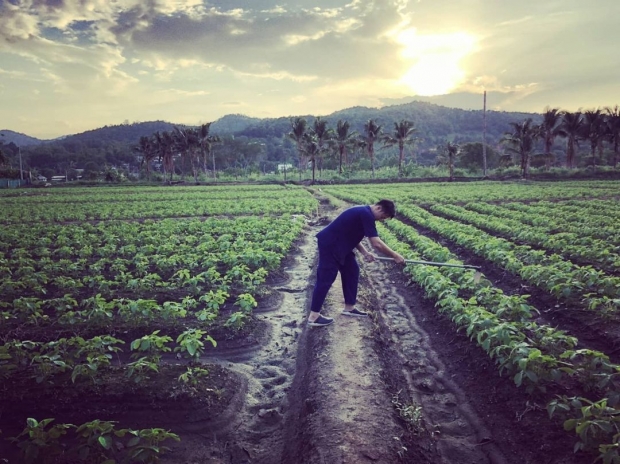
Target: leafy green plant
[[237, 320], [40, 441], [91, 369], [47, 365], [138, 370], [30, 310], [411, 413], [246, 302], [191, 343], [213, 301], [154, 345], [144, 445], [193, 375], [94, 439], [597, 424]]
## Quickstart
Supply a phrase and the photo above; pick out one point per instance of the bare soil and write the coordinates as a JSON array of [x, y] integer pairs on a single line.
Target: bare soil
[[401, 386]]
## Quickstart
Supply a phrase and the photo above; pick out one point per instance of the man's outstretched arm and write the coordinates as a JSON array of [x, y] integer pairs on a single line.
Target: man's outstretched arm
[[381, 247]]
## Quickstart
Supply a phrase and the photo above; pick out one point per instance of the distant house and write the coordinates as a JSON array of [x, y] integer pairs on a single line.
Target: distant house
[[284, 167]]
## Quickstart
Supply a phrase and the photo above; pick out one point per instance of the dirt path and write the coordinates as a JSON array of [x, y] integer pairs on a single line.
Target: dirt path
[[399, 387]]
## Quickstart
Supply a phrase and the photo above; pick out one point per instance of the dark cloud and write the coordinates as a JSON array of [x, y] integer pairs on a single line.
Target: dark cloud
[[306, 42]]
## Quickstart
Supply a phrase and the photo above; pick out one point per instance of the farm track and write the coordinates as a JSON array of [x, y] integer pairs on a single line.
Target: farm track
[[342, 394], [592, 331]]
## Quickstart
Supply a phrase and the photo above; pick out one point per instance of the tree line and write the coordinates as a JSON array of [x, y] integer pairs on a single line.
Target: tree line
[[423, 135], [599, 128]]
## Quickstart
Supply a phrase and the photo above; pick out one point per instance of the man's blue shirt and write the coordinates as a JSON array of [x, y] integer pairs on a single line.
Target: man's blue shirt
[[347, 231]]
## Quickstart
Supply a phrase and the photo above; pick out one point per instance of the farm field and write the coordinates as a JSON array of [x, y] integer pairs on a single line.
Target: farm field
[[168, 323]]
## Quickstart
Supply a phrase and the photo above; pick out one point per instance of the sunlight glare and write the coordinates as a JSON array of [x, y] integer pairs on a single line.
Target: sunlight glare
[[436, 69]]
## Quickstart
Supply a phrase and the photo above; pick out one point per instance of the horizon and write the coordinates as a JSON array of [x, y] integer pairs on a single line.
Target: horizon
[[127, 122], [76, 66]]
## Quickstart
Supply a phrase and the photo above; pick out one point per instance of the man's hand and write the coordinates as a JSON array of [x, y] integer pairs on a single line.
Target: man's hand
[[398, 258], [369, 258]]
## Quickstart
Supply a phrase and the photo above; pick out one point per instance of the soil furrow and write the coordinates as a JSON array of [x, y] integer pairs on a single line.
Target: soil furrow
[[447, 412]]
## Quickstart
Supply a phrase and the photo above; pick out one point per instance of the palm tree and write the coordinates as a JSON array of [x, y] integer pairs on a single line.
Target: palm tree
[[372, 132], [594, 130], [402, 135], [313, 149], [148, 151], [571, 128], [549, 129], [343, 140], [323, 135], [449, 152], [521, 141], [298, 129], [613, 130], [181, 145], [206, 142], [187, 141], [165, 150]]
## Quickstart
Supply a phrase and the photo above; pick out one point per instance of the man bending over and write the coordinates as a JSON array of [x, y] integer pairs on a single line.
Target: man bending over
[[336, 243]]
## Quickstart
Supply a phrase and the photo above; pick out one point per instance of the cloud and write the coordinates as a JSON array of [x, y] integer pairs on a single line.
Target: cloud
[[83, 58], [15, 25], [332, 42]]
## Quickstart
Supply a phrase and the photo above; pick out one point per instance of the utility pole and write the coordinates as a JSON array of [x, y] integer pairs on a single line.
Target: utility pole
[[484, 135], [21, 166]]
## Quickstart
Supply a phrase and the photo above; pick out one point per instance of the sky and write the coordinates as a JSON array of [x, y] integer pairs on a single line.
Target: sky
[[67, 66]]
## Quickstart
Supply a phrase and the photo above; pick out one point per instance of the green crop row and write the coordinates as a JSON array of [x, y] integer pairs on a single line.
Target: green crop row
[[562, 279], [451, 193], [581, 228], [37, 213], [534, 355], [27, 198], [42, 442], [572, 245], [131, 274], [80, 359]]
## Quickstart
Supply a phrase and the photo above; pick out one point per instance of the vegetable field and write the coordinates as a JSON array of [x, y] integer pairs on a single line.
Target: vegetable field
[[100, 286], [167, 324], [555, 333]]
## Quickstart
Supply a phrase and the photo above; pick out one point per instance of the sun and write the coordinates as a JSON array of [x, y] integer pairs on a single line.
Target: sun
[[436, 60]]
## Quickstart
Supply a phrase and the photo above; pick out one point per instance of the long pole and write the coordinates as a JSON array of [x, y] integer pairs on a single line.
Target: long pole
[[432, 263], [484, 135]]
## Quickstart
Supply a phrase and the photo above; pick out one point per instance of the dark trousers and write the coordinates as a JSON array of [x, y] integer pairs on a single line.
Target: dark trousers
[[326, 274]]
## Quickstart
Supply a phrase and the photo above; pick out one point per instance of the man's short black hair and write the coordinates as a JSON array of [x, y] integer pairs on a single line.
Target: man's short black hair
[[388, 207]]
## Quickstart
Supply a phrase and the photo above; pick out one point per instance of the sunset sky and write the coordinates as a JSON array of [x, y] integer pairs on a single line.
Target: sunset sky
[[67, 66]]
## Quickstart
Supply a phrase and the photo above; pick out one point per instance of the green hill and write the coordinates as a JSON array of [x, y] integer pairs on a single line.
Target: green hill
[[115, 145]]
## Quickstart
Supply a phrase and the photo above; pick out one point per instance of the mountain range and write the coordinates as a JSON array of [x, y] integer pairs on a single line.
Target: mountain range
[[433, 121]]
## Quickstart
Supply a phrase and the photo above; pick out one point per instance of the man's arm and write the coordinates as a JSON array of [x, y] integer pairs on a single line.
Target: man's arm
[[381, 247], [369, 257]]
